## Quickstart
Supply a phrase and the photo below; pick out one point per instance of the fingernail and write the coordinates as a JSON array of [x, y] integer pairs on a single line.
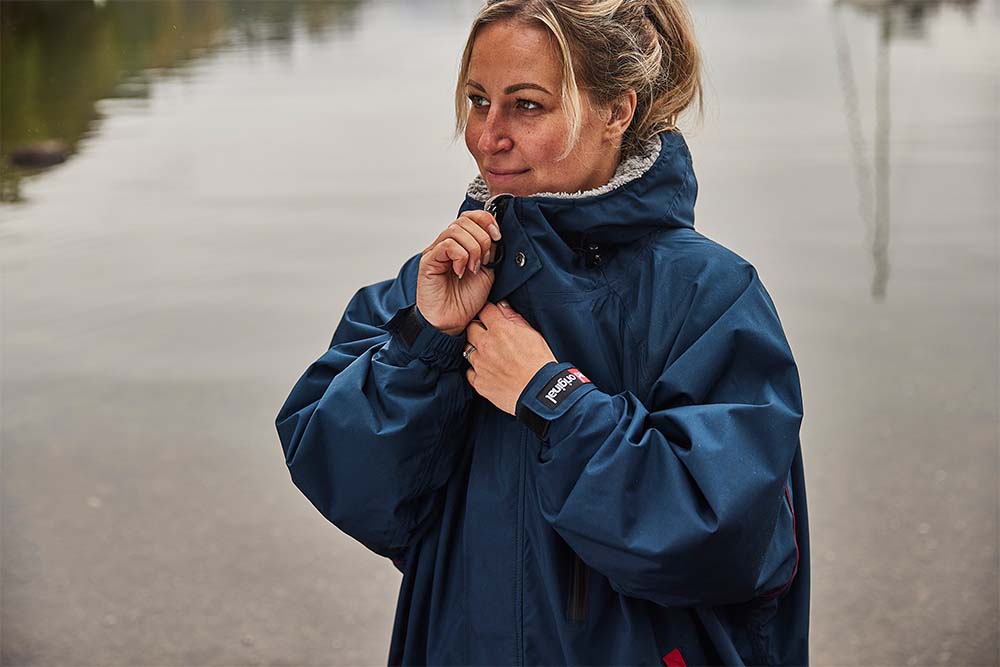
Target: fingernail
[[504, 304], [475, 269], [494, 232]]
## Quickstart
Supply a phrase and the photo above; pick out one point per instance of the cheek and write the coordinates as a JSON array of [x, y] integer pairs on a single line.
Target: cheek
[[472, 132], [544, 147]]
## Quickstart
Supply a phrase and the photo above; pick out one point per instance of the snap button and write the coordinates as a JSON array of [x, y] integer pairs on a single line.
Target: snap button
[[519, 258], [593, 257]]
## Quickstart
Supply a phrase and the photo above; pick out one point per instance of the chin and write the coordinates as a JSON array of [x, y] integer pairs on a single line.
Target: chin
[[516, 189], [500, 189]]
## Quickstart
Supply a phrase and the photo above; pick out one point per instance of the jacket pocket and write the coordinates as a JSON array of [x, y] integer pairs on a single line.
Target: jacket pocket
[[576, 604]]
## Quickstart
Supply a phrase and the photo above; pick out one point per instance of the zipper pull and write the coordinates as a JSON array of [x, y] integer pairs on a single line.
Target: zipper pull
[[497, 206]]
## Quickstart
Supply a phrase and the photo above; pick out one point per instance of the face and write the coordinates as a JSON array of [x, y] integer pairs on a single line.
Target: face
[[517, 124]]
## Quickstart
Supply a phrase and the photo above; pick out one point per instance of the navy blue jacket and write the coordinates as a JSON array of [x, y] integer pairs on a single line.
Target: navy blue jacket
[[647, 504]]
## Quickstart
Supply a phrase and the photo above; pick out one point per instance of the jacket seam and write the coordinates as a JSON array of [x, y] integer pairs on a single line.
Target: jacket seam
[[641, 358], [688, 174], [519, 556], [795, 540], [620, 380], [757, 638], [638, 365]]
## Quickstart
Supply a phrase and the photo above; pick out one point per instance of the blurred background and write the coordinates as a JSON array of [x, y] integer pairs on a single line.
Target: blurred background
[[192, 191]]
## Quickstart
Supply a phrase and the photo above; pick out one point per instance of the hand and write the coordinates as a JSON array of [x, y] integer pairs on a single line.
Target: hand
[[508, 354], [451, 284]]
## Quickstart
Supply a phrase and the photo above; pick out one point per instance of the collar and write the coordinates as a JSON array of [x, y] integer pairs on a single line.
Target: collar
[[650, 192]]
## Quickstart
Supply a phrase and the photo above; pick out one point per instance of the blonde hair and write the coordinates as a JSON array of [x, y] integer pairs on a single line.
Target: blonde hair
[[608, 47]]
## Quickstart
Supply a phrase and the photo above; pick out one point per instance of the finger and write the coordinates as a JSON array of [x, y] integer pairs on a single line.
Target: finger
[[470, 375], [448, 252], [461, 232], [486, 221], [445, 233], [490, 315], [481, 219], [475, 332], [466, 240], [481, 236], [509, 312]]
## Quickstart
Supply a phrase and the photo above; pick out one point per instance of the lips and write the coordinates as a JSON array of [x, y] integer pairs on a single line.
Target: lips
[[505, 172]]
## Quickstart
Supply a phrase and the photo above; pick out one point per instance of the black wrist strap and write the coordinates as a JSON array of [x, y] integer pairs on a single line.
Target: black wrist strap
[[538, 425], [410, 326]]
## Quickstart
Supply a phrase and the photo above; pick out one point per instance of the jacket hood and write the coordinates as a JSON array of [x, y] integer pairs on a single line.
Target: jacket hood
[[654, 189]]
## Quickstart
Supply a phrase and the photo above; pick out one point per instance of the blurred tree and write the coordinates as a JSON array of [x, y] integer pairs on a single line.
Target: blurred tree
[[59, 57]]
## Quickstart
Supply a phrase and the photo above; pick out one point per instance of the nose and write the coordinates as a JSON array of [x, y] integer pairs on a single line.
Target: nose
[[495, 136]]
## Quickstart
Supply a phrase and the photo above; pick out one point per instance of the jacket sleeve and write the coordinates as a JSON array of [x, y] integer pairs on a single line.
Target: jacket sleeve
[[679, 498], [374, 426]]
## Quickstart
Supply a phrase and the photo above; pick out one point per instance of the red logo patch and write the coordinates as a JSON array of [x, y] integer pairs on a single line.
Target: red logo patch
[[674, 659]]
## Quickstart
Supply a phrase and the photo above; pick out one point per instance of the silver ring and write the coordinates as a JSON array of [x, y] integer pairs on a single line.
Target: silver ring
[[469, 350]]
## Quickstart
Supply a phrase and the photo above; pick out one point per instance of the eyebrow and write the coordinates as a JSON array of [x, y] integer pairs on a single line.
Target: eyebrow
[[511, 89]]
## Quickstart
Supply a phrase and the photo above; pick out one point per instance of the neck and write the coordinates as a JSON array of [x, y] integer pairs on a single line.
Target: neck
[[605, 171]]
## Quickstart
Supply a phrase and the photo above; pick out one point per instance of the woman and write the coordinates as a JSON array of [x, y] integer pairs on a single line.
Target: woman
[[572, 423]]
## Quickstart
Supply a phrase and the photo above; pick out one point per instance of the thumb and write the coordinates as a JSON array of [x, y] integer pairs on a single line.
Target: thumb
[[509, 312]]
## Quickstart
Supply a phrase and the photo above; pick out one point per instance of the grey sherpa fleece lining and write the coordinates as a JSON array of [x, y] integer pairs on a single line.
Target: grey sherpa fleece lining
[[628, 169]]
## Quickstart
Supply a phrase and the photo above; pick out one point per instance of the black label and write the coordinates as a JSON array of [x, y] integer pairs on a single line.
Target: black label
[[561, 386]]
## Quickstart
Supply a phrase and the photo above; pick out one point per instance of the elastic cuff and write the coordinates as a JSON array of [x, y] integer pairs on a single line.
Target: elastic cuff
[[413, 337], [552, 391]]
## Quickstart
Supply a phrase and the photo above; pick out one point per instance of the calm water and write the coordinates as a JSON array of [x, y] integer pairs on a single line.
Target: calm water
[[235, 171]]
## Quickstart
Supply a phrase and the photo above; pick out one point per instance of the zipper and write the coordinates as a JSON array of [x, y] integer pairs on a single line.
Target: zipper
[[519, 553], [576, 606]]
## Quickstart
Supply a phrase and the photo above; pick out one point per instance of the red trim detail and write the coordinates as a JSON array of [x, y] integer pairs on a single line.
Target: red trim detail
[[674, 659], [795, 539], [579, 376]]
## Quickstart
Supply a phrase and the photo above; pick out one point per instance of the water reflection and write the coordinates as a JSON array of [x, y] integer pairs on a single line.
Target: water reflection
[[59, 58], [897, 19], [909, 18]]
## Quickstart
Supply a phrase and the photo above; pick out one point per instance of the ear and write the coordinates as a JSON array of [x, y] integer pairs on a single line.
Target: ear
[[621, 113]]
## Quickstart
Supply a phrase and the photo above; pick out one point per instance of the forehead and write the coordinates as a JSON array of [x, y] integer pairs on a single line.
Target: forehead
[[515, 49]]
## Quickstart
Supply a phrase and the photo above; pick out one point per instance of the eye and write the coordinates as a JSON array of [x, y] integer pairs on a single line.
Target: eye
[[535, 106], [478, 102]]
